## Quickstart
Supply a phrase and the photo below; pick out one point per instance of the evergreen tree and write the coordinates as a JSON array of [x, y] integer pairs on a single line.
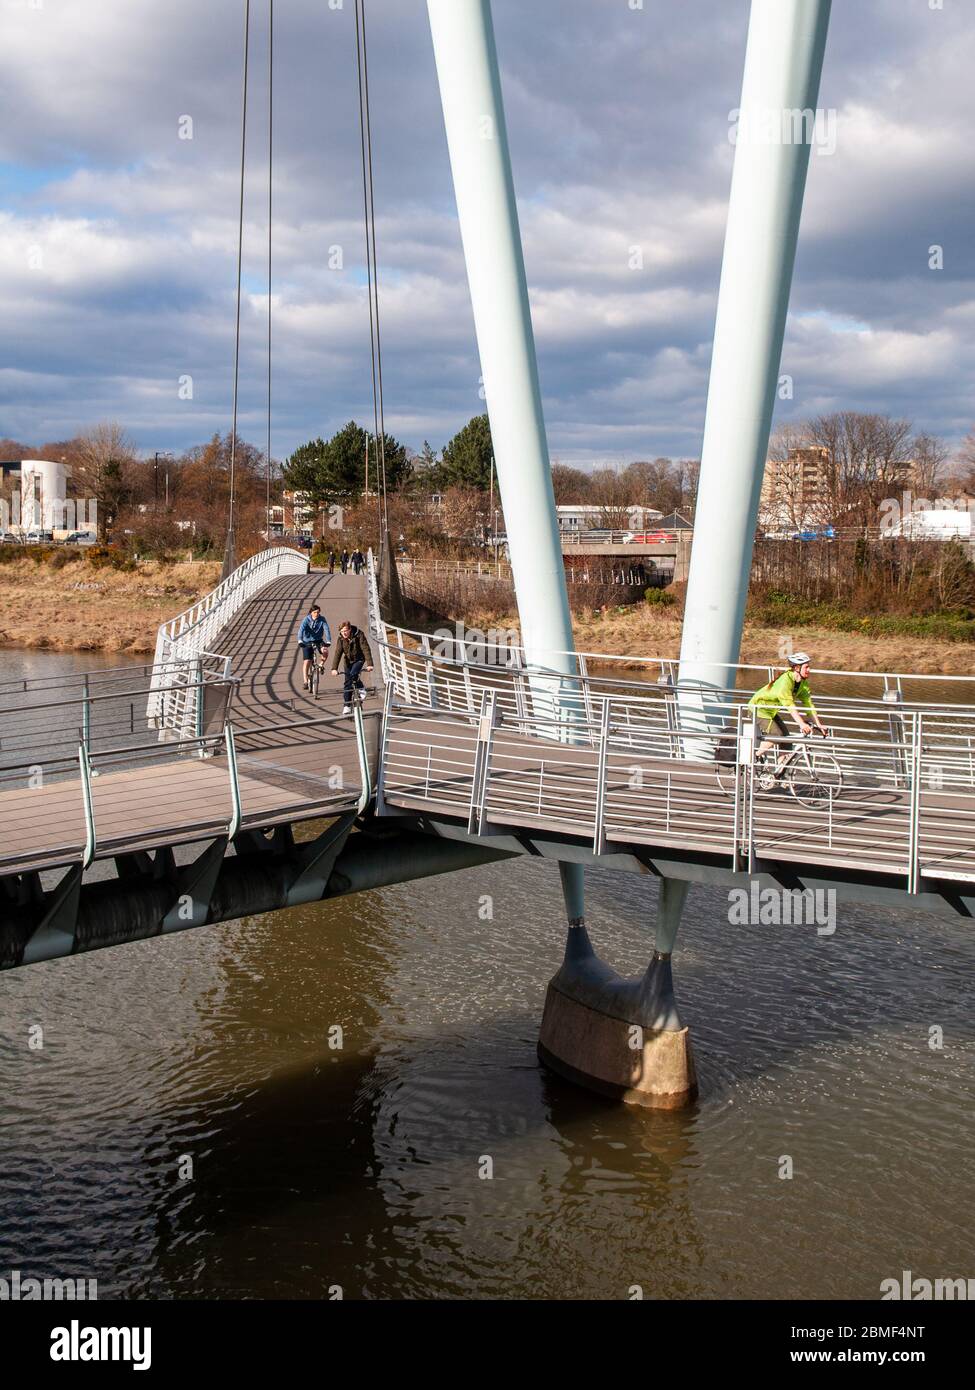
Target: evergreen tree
[[467, 459]]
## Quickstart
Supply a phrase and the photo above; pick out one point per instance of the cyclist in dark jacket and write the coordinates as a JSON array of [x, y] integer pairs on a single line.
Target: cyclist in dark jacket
[[353, 648]]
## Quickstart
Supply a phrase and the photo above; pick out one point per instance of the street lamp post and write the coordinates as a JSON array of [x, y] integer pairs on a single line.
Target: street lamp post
[[159, 454]]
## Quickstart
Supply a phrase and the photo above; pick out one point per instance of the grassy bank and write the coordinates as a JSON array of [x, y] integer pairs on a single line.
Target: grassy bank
[[837, 635], [99, 607], [85, 607], [655, 631]]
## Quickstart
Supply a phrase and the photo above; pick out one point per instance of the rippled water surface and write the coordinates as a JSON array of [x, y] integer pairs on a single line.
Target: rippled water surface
[[314, 1167]]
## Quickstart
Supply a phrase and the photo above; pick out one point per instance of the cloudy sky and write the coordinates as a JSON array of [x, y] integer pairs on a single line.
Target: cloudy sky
[[118, 238]]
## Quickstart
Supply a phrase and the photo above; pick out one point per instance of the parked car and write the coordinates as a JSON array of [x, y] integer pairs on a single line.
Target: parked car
[[40, 537], [809, 533], [8, 538], [647, 538], [80, 538]]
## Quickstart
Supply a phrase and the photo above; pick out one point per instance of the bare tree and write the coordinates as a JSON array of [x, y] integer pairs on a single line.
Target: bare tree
[[103, 461], [930, 456], [570, 485], [610, 492], [966, 457], [866, 460], [786, 499]]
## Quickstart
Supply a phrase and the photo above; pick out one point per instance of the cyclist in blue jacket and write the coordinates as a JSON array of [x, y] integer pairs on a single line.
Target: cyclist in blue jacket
[[314, 636]]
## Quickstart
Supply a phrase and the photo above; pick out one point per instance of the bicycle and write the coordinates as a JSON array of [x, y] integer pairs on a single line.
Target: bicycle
[[317, 667], [359, 693], [813, 778]]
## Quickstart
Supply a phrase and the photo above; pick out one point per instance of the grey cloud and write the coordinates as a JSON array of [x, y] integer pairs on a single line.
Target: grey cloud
[[618, 122]]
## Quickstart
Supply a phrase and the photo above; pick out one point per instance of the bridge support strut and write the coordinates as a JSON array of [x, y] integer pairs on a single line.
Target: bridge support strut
[[621, 1037]]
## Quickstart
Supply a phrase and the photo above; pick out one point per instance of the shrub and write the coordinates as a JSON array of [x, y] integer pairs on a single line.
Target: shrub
[[109, 557], [67, 555], [660, 598]]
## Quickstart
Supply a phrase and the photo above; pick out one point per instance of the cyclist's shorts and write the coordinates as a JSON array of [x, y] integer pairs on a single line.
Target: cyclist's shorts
[[308, 650], [774, 728]]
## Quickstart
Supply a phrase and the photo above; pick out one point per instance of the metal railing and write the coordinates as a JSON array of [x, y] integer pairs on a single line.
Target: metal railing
[[895, 689], [112, 799], [626, 781], [661, 536], [187, 638], [462, 569], [377, 628], [49, 717]]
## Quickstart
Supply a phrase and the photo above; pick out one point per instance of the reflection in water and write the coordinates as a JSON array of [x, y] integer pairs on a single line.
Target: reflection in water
[[359, 1167]]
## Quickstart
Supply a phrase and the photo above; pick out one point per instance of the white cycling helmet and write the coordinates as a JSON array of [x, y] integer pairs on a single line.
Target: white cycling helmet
[[800, 659]]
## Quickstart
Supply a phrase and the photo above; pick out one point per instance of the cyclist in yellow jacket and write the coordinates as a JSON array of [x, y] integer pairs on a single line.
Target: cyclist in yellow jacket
[[788, 695]]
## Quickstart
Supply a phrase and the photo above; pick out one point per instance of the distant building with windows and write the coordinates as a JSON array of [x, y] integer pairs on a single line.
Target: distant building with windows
[[795, 489], [40, 498], [591, 517], [796, 492]]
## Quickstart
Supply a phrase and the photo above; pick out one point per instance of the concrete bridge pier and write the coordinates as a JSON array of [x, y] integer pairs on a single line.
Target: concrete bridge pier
[[622, 1037]]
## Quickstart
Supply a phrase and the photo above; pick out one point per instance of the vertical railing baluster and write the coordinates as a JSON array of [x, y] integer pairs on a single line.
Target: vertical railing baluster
[[365, 792], [914, 866], [599, 831], [236, 809], [383, 753], [91, 837], [86, 715]]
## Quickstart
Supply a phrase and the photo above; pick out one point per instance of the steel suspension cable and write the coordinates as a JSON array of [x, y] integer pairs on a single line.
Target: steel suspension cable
[[229, 556], [372, 274], [270, 185], [375, 276]]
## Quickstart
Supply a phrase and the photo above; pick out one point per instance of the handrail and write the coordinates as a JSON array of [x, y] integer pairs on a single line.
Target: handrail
[[188, 636], [667, 665], [492, 766], [87, 700], [281, 558]]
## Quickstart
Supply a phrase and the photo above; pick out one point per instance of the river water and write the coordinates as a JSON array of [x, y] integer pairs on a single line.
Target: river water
[[187, 1130]]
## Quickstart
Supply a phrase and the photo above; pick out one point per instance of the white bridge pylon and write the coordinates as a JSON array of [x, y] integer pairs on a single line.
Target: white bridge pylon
[[783, 65]]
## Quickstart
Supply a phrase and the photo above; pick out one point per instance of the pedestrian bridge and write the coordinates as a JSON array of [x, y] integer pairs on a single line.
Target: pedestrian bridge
[[208, 784]]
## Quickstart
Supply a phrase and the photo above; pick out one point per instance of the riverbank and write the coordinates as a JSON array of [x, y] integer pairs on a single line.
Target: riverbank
[[81, 608], [87, 609]]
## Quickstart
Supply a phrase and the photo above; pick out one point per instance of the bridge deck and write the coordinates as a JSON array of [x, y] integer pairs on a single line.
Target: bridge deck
[[291, 765], [541, 784]]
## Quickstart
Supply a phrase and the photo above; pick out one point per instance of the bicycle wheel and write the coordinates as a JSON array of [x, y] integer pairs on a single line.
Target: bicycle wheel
[[816, 781], [316, 676], [763, 776]]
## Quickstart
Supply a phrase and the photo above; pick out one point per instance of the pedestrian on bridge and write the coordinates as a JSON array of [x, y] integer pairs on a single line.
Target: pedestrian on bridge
[[358, 560], [331, 562], [344, 561], [353, 648]]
